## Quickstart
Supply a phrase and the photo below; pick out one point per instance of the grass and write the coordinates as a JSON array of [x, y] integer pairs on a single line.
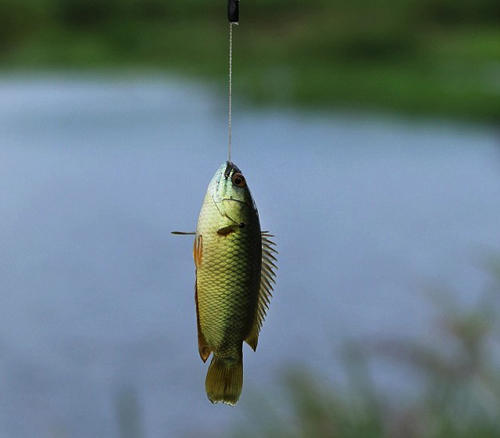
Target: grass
[[455, 390], [455, 374]]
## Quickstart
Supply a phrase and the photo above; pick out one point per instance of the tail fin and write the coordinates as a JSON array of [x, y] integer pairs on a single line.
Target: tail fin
[[224, 380]]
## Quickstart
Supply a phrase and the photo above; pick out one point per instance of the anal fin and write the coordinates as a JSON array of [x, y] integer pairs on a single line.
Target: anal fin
[[203, 347]]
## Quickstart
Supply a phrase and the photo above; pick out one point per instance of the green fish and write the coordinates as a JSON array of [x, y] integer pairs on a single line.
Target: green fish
[[235, 265]]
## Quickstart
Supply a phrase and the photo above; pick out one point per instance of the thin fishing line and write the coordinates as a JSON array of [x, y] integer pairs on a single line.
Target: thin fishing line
[[230, 90]]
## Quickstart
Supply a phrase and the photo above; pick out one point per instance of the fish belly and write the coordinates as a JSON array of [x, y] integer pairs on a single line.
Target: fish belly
[[227, 289]]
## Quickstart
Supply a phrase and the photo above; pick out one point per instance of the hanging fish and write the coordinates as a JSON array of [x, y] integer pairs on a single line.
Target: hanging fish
[[235, 265]]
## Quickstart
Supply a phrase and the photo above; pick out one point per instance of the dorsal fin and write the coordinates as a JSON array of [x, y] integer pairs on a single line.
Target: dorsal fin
[[267, 279]]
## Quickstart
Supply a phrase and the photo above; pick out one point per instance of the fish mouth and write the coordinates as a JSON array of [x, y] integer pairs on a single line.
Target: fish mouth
[[231, 168]]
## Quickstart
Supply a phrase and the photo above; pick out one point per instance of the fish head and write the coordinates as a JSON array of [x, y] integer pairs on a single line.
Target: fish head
[[230, 192]]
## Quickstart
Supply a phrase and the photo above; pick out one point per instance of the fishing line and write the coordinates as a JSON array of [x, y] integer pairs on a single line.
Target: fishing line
[[233, 17], [230, 89]]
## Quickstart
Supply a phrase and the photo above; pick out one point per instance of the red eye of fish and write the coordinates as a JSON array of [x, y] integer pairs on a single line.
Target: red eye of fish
[[238, 180]]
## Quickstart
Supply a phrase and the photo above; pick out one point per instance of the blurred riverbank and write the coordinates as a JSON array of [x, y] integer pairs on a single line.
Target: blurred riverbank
[[431, 57]]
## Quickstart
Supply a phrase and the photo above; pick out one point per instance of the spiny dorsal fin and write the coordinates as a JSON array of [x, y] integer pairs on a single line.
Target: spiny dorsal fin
[[267, 279]]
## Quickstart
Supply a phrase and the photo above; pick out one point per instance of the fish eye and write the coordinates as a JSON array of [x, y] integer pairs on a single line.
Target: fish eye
[[238, 180]]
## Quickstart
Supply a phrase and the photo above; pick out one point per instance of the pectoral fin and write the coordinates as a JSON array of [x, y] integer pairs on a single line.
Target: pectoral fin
[[198, 251], [230, 229], [183, 233], [227, 230], [267, 279]]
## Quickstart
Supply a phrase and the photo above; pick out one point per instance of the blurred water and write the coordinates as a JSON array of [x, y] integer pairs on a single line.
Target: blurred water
[[97, 297]]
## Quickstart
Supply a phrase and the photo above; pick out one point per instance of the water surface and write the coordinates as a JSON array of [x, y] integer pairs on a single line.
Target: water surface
[[97, 296]]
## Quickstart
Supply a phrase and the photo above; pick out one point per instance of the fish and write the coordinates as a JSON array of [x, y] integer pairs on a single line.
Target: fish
[[235, 275]]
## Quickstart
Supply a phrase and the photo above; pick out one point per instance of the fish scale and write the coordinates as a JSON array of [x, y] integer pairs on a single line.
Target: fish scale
[[229, 277], [234, 272]]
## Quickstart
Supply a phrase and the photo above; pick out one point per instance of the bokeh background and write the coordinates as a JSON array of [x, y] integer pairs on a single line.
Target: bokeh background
[[368, 133]]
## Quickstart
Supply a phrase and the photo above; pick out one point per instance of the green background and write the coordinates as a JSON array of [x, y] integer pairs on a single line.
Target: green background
[[432, 57]]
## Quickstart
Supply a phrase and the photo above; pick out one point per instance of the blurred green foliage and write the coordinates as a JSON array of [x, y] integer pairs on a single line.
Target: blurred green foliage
[[418, 56], [453, 387], [455, 380]]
